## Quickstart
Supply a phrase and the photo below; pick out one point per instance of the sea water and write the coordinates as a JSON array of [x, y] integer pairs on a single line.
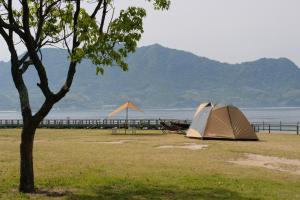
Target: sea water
[[269, 114]]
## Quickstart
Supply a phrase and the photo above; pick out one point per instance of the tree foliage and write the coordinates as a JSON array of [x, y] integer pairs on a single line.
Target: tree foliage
[[54, 22]]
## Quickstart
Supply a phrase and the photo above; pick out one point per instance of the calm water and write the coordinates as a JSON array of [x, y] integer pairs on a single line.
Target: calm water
[[275, 114]]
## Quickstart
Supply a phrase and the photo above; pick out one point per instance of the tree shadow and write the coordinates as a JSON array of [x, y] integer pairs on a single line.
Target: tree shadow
[[52, 192], [141, 191]]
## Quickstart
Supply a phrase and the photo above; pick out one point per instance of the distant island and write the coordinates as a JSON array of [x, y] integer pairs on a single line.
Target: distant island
[[161, 77]]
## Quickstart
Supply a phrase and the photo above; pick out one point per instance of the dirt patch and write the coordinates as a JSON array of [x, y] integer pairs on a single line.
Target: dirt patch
[[270, 162], [40, 141], [190, 146], [115, 142]]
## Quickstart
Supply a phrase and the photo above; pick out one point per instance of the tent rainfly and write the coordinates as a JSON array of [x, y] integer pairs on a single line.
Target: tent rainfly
[[220, 122]]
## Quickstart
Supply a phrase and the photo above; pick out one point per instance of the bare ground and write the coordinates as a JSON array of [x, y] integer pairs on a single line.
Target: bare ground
[[270, 162], [190, 146]]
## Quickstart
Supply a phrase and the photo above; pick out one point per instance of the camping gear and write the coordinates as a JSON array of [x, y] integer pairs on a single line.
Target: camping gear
[[220, 122], [177, 127]]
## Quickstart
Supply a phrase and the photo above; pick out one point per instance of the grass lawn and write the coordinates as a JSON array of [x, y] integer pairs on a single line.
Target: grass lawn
[[76, 164]]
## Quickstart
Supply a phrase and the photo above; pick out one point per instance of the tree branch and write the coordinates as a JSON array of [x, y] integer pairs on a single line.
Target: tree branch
[[4, 34], [103, 16], [49, 102], [25, 66], [97, 9], [14, 27], [41, 18], [48, 9], [75, 21], [25, 18], [33, 48], [17, 77]]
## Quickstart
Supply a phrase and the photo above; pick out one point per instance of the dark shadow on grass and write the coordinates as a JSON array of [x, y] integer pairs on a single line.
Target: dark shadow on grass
[[53, 192], [141, 191]]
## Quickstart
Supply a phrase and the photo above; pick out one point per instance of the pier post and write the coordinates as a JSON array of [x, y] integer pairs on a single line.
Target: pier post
[[280, 126]]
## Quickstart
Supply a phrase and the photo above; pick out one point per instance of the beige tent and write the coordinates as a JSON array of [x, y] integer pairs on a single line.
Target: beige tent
[[220, 121]]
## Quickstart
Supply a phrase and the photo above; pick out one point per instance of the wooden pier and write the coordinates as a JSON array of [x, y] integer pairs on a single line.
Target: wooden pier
[[91, 123], [139, 124]]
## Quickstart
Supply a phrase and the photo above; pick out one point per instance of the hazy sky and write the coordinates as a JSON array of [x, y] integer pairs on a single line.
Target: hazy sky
[[225, 30]]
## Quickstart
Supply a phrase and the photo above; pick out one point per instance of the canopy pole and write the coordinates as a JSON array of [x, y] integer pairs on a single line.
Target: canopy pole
[[126, 120]]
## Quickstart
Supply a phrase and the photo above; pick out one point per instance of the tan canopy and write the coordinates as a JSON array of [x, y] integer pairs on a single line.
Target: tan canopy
[[126, 105]]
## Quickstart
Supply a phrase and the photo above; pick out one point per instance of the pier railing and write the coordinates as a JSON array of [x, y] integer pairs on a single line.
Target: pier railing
[[276, 127], [91, 123], [139, 123]]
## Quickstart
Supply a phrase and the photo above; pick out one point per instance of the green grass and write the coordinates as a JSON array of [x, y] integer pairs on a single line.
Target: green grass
[[70, 164]]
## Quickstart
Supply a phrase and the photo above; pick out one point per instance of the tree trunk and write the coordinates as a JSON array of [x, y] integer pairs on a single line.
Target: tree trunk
[[26, 168]]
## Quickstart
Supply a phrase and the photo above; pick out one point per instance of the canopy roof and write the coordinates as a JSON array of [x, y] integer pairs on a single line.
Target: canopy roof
[[126, 105]]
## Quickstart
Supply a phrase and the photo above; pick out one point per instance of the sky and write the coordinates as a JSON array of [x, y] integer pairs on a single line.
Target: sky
[[230, 31]]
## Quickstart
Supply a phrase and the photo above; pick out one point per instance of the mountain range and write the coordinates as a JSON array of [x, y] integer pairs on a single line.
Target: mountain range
[[161, 77]]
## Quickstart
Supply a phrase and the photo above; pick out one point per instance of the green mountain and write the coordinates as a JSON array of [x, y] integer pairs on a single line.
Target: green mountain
[[163, 77]]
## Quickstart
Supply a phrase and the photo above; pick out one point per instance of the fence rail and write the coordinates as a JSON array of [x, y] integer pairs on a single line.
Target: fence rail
[[139, 123], [276, 127], [91, 123]]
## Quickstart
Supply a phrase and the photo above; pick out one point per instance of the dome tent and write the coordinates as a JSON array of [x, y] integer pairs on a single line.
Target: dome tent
[[220, 122]]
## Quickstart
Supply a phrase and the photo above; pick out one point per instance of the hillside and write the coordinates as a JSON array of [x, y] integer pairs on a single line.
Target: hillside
[[163, 77]]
